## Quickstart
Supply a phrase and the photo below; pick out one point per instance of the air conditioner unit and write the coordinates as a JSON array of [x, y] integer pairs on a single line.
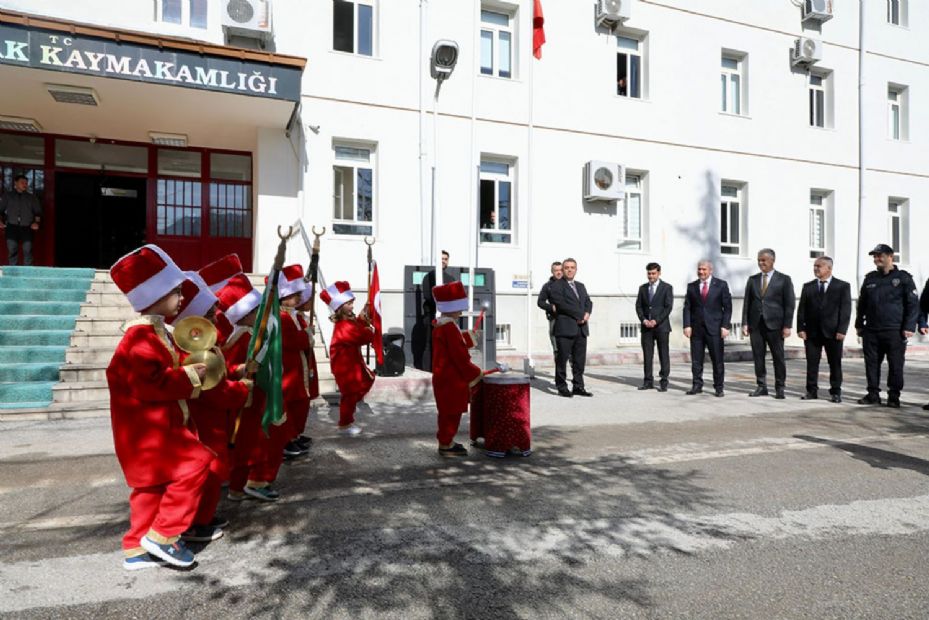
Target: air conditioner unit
[[604, 181], [247, 17], [806, 52], [817, 10], [613, 12]]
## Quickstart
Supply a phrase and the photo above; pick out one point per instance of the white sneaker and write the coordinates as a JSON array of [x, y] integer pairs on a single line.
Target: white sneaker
[[350, 431]]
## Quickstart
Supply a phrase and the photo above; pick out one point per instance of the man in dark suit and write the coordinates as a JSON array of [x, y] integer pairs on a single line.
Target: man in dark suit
[[653, 306], [572, 311], [707, 320], [923, 321], [823, 316], [545, 303], [767, 316], [421, 338]]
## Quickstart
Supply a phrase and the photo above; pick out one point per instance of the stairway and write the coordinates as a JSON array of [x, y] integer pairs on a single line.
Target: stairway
[[38, 311]]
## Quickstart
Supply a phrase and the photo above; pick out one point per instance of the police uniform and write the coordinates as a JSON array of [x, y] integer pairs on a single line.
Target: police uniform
[[887, 307]]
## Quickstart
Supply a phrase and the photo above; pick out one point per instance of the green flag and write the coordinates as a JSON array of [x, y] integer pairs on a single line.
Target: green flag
[[265, 347]]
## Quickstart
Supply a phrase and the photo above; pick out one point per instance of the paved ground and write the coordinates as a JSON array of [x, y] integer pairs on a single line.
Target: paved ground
[[634, 505]]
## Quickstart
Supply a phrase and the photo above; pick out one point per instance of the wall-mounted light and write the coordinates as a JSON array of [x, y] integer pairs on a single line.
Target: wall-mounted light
[[62, 93]]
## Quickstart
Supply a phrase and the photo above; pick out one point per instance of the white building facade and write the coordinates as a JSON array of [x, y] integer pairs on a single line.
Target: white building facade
[[727, 145]]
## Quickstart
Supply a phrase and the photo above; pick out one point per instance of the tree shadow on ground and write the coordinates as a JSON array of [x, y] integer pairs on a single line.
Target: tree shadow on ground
[[875, 457]]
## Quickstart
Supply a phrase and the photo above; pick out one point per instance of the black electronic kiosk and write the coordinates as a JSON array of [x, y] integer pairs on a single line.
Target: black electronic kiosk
[[418, 310]]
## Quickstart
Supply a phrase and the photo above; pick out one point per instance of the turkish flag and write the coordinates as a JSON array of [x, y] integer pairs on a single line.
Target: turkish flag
[[538, 29], [374, 302]]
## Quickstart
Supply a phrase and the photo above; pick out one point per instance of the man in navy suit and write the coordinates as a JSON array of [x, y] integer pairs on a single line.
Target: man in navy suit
[[707, 320], [767, 316], [653, 306], [572, 307], [823, 316]]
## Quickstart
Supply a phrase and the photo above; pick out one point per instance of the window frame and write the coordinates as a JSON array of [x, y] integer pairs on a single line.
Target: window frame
[[630, 54], [495, 31], [356, 29], [821, 91], [897, 214], [821, 209], [627, 242], [726, 75], [895, 112], [498, 236], [185, 16], [732, 204], [902, 13], [354, 165]]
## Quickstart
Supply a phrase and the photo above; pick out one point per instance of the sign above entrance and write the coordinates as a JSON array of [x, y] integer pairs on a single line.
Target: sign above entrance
[[58, 51]]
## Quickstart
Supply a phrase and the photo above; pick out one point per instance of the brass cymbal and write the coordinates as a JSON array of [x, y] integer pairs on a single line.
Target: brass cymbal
[[215, 367], [194, 333]]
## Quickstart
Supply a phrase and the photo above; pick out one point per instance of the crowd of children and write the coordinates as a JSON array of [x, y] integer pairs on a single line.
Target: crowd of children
[[178, 444]]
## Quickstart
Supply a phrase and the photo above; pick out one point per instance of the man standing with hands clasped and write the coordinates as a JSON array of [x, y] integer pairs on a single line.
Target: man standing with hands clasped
[[707, 319], [887, 311], [767, 314], [20, 216], [653, 306], [822, 321], [572, 311]]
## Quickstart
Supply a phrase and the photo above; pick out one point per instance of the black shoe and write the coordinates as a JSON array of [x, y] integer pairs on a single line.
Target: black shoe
[[719, 394], [565, 392], [292, 449], [646, 386], [219, 521], [304, 442], [835, 398], [870, 399], [694, 390], [456, 450], [809, 396], [759, 391], [779, 393], [580, 392], [893, 402], [926, 407], [663, 387]]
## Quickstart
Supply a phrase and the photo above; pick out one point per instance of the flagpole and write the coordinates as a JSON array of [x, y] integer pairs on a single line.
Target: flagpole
[[370, 303]]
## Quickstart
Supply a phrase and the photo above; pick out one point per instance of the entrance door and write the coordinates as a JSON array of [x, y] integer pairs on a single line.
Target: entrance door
[[99, 218]]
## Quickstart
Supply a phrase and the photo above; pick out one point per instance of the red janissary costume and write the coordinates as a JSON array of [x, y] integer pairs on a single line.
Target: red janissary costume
[[162, 460], [299, 383], [211, 412], [352, 375], [453, 374]]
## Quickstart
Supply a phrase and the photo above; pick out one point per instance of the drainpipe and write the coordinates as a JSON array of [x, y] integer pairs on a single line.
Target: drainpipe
[[423, 240], [861, 139]]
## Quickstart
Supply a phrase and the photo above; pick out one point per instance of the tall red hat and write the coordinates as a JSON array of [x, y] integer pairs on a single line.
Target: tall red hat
[[291, 281], [218, 273], [307, 293], [198, 298], [450, 297], [238, 298], [336, 295], [146, 275]]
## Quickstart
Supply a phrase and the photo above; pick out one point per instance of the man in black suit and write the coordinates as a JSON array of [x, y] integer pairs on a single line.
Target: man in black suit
[[823, 316], [545, 303], [572, 311], [653, 306], [707, 319], [421, 338], [923, 320], [767, 315]]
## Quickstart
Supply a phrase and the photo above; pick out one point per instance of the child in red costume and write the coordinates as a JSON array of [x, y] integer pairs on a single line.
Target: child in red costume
[[305, 305], [453, 374], [163, 461], [210, 415], [350, 333]]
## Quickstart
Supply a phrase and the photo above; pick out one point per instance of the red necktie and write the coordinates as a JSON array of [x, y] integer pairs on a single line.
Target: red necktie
[[704, 291]]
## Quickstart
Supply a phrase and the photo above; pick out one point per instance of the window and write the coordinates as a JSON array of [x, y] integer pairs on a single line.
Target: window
[[730, 219], [503, 333], [353, 26], [182, 12], [353, 190], [732, 83], [496, 196], [230, 195], [496, 43], [898, 122], [629, 67], [817, 225], [897, 12], [631, 233], [897, 228], [628, 332], [179, 207], [817, 101]]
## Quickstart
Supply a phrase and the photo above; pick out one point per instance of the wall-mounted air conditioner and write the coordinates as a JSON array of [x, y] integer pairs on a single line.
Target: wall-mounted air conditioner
[[806, 52], [817, 10], [613, 12], [249, 17], [604, 181]]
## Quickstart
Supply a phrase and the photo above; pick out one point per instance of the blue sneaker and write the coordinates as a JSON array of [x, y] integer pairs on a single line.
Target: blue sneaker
[[265, 494], [202, 533], [176, 554], [144, 560]]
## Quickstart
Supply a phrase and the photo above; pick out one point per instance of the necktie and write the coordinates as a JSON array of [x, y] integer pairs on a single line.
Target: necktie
[[822, 287], [573, 288], [705, 291], [764, 284], [651, 292]]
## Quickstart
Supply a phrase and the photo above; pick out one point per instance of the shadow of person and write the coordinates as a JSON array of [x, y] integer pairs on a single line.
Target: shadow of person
[[875, 457]]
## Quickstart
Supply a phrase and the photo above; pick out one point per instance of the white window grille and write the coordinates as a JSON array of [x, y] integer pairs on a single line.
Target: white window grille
[[817, 225], [735, 333], [497, 204], [497, 47], [894, 112], [503, 333], [628, 331], [730, 219], [732, 83], [353, 28], [817, 100], [629, 67], [632, 214], [897, 228], [191, 13], [353, 190]]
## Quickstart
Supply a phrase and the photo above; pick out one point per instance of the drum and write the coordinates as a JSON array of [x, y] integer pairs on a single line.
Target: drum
[[500, 414]]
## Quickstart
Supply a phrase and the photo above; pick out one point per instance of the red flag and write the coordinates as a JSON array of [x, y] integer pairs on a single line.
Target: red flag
[[374, 299], [538, 30]]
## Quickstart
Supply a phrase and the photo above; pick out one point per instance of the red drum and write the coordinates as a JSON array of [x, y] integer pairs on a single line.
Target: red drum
[[500, 414]]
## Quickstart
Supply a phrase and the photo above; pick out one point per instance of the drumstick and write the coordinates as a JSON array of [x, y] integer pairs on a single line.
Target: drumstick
[[480, 319]]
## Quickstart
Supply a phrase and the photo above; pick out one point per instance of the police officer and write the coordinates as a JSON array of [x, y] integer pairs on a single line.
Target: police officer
[[887, 308]]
